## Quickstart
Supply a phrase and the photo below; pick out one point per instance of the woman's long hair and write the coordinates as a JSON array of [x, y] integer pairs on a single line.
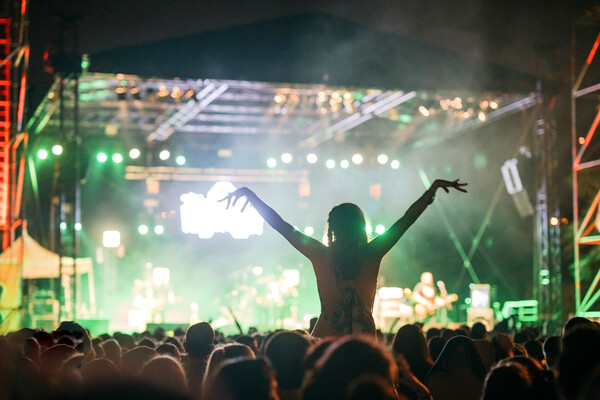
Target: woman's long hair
[[346, 234]]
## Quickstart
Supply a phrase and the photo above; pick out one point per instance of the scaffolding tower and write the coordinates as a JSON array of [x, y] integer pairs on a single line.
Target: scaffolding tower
[[583, 229]]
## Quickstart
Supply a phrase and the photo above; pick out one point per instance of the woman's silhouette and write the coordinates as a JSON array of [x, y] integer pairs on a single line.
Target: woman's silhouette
[[347, 269]]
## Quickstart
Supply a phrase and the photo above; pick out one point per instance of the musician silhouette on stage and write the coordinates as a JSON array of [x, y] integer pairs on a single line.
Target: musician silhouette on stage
[[427, 298]]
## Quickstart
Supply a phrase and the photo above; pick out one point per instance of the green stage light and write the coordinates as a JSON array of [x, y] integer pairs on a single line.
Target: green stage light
[[117, 158], [159, 229], [143, 229], [57, 149], [63, 226], [134, 153], [78, 226], [102, 157], [180, 160], [164, 155], [42, 154]]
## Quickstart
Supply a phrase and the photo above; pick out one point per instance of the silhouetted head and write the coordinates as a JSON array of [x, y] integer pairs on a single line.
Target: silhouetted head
[[479, 331], [165, 372], [580, 355], [133, 361], [436, 344], [459, 353], [346, 234], [576, 323], [410, 342], [243, 379], [286, 351], [508, 381], [169, 349], [199, 340], [223, 353], [344, 362], [100, 371], [552, 347], [112, 351]]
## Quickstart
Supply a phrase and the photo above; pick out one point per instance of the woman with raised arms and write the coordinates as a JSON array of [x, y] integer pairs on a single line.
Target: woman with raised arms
[[346, 268]]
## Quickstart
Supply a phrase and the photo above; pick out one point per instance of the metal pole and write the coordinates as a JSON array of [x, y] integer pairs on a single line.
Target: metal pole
[[574, 178]]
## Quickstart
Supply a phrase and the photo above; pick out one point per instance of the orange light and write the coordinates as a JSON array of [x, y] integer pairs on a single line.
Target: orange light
[[581, 140], [593, 52], [375, 191], [304, 190]]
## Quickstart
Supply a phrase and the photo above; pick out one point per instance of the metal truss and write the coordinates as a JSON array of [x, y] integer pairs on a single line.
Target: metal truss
[[300, 116], [14, 49], [583, 228]]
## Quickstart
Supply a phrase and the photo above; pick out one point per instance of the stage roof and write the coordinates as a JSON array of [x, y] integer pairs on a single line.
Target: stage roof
[[214, 114]]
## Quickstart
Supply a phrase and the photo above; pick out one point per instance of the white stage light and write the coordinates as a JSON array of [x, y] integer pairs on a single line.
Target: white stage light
[[382, 159], [395, 164], [330, 164], [357, 159], [311, 158], [111, 239], [286, 158], [164, 155], [309, 230], [271, 162], [344, 164]]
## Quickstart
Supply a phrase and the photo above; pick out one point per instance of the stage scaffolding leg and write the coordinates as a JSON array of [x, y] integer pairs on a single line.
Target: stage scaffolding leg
[[579, 145], [547, 266]]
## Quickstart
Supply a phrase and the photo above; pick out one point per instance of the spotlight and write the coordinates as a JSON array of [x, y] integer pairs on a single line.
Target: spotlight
[[357, 159], [344, 164], [379, 229], [143, 229], [159, 229], [134, 153], [77, 226], [311, 158], [117, 158], [164, 155], [63, 226], [286, 158], [309, 230], [271, 162], [330, 164], [382, 159], [180, 160], [257, 270], [42, 154], [57, 149], [395, 164], [101, 157], [111, 239]]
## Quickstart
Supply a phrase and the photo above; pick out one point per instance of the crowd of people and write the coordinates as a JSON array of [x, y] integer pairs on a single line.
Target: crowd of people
[[199, 363]]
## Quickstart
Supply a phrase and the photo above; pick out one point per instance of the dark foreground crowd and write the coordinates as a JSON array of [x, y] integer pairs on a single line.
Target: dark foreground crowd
[[467, 363]]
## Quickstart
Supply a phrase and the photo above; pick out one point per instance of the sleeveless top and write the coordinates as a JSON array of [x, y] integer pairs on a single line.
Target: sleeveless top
[[352, 315]]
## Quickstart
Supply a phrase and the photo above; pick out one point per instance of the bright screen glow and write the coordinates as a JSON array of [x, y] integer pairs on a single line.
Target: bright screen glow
[[205, 215], [480, 296], [111, 239]]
